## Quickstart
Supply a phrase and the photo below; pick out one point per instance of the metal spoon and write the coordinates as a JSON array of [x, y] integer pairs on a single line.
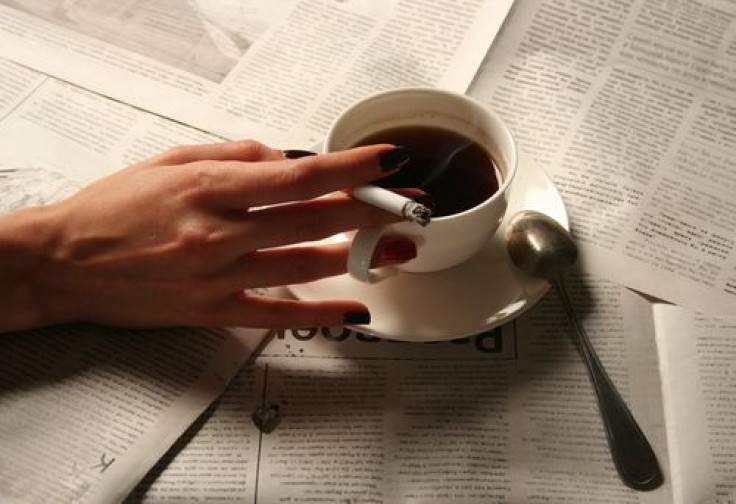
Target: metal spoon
[[540, 246]]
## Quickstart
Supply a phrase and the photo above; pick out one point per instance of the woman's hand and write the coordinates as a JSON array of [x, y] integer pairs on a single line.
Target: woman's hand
[[178, 239]]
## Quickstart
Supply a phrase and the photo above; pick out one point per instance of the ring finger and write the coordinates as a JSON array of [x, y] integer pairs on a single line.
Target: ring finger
[[299, 264]]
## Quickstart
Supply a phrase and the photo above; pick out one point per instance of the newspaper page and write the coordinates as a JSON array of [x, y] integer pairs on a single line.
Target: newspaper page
[[698, 360], [509, 415], [279, 71], [86, 411], [84, 136], [631, 106]]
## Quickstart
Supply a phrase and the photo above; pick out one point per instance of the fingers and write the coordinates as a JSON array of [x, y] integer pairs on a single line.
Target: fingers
[[305, 221], [254, 311], [236, 185], [287, 266], [291, 265], [234, 234], [299, 264], [243, 150]]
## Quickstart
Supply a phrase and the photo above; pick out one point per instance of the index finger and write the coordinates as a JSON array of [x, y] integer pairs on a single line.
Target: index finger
[[240, 150], [236, 185]]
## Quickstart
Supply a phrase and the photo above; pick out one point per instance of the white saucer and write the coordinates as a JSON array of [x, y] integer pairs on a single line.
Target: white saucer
[[478, 295]]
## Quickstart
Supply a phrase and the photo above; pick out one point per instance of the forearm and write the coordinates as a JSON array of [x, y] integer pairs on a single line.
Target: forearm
[[28, 239]]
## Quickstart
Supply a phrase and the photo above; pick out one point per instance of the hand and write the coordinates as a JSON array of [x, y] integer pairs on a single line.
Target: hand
[[179, 238]]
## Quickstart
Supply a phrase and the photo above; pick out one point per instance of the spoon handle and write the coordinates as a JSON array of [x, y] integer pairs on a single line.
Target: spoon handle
[[632, 454]]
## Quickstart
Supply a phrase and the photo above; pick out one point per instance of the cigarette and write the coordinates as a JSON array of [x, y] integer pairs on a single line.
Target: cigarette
[[394, 203]]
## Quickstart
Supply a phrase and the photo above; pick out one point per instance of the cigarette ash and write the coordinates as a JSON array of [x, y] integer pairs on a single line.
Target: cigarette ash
[[418, 213]]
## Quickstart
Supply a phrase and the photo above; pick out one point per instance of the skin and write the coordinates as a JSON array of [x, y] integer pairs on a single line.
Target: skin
[[176, 240]]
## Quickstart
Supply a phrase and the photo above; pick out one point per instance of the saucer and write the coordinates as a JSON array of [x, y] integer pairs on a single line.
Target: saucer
[[473, 297]]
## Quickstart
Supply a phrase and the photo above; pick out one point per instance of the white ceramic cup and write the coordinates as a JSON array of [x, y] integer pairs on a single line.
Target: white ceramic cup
[[447, 240]]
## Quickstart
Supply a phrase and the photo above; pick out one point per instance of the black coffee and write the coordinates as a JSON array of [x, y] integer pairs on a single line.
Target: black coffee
[[456, 171]]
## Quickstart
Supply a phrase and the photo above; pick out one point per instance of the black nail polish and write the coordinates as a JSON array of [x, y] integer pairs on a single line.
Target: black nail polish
[[357, 317], [296, 153], [394, 158]]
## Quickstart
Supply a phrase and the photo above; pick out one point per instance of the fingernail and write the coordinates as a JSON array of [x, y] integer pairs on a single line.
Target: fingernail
[[397, 250], [394, 158], [296, 153], [357, 317]]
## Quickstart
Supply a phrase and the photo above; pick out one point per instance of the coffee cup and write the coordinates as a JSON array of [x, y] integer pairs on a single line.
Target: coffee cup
[[461, 153]]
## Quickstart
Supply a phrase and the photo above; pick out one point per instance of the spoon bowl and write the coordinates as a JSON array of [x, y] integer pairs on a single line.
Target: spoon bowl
[[539, 245]]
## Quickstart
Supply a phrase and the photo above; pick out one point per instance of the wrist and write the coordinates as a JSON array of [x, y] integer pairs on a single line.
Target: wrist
[[29, 243]]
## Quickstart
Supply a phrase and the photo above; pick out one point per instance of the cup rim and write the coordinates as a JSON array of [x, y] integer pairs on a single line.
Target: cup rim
[[506, 182]]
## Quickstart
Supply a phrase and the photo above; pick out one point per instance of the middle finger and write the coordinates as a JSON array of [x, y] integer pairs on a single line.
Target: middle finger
[[306, 221], [299, 264]]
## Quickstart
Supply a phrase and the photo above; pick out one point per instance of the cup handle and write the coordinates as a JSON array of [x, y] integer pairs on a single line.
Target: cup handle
[[361, 253]]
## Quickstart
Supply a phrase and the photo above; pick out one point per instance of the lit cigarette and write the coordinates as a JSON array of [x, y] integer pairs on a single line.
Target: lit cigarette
[[394, 203]]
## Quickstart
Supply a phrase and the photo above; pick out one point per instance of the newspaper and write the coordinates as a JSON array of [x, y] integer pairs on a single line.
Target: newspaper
[[508, 415], [279, 71], [86, 411], [142, 390], [504, 416], [399, 419], [698, 357], [631, 106], [84, 136]]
